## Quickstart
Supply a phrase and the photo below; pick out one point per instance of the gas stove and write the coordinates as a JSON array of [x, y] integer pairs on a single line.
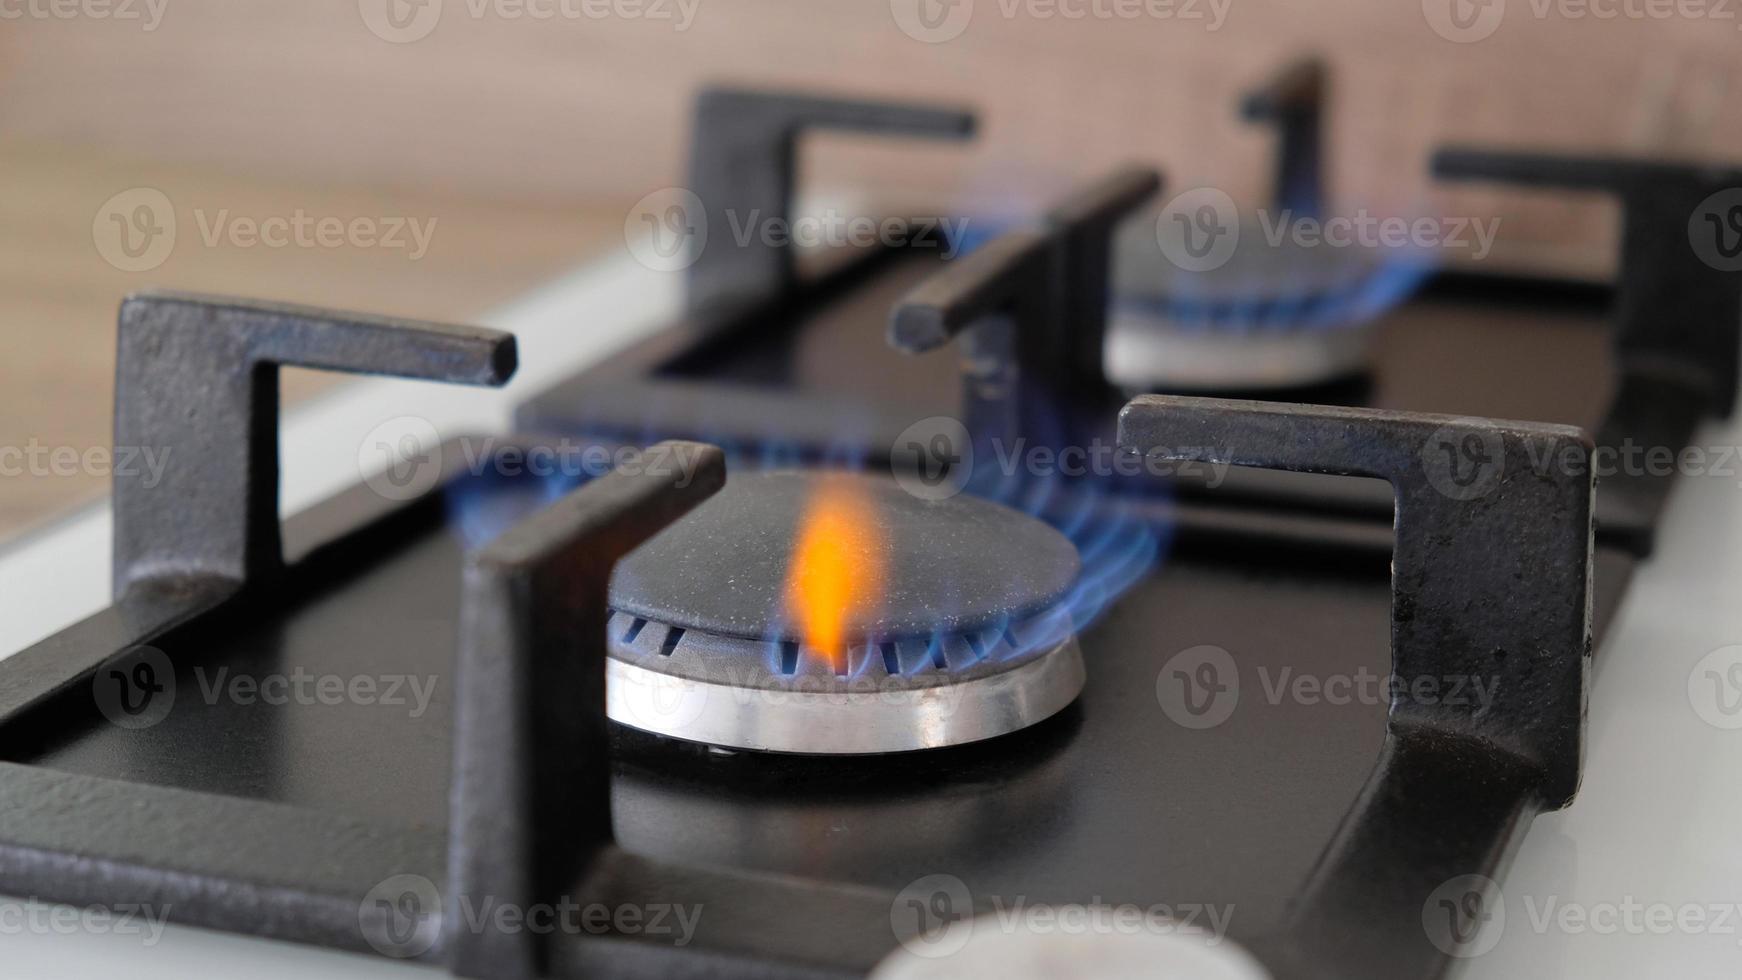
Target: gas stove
[[912, 618]]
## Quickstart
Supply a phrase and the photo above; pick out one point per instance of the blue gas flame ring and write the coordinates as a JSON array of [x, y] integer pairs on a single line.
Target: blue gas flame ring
[[1112, 528]]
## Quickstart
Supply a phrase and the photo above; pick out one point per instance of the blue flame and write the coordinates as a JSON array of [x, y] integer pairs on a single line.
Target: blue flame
[[483, 504], [1116, 541], [1357, 299]]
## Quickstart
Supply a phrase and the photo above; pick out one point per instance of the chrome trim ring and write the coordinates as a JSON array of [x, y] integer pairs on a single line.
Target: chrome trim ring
[[741, 703]]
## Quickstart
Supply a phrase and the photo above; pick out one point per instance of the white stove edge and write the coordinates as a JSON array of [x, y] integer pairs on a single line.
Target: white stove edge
[[1654, 824]]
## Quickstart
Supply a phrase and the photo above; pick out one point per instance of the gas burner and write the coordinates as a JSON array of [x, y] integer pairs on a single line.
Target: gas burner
[[1271, 314], [1272, 317], [833, 613]]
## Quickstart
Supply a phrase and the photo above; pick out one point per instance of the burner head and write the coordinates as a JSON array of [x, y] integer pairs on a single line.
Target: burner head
[[1272, 316], [964, 636]]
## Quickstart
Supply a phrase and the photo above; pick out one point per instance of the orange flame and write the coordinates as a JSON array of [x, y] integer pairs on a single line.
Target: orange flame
[[836, 567]]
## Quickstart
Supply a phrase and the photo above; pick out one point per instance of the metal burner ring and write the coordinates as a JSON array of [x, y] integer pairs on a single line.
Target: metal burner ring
[[730, 692]]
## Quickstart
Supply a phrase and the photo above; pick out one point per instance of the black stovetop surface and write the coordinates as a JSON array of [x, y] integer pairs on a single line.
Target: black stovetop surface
[[1111, 801]]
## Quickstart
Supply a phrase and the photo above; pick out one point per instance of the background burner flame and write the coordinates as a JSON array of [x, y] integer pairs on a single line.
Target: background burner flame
[[837, 566]]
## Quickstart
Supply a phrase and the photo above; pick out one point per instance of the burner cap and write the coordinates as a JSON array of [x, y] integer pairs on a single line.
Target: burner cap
[[949, 565], [968, 637]]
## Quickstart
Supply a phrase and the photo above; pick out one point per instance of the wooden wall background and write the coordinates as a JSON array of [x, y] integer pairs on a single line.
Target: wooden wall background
[[560, 109], [531, 138]]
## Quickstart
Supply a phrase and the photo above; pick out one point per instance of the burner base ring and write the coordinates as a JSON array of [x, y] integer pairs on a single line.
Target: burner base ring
[[845, 716]]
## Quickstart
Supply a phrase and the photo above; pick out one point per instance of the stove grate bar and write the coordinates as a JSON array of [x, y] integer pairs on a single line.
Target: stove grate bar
[[197, 377], [530, 727], [1678, 304], [1491, 583]]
